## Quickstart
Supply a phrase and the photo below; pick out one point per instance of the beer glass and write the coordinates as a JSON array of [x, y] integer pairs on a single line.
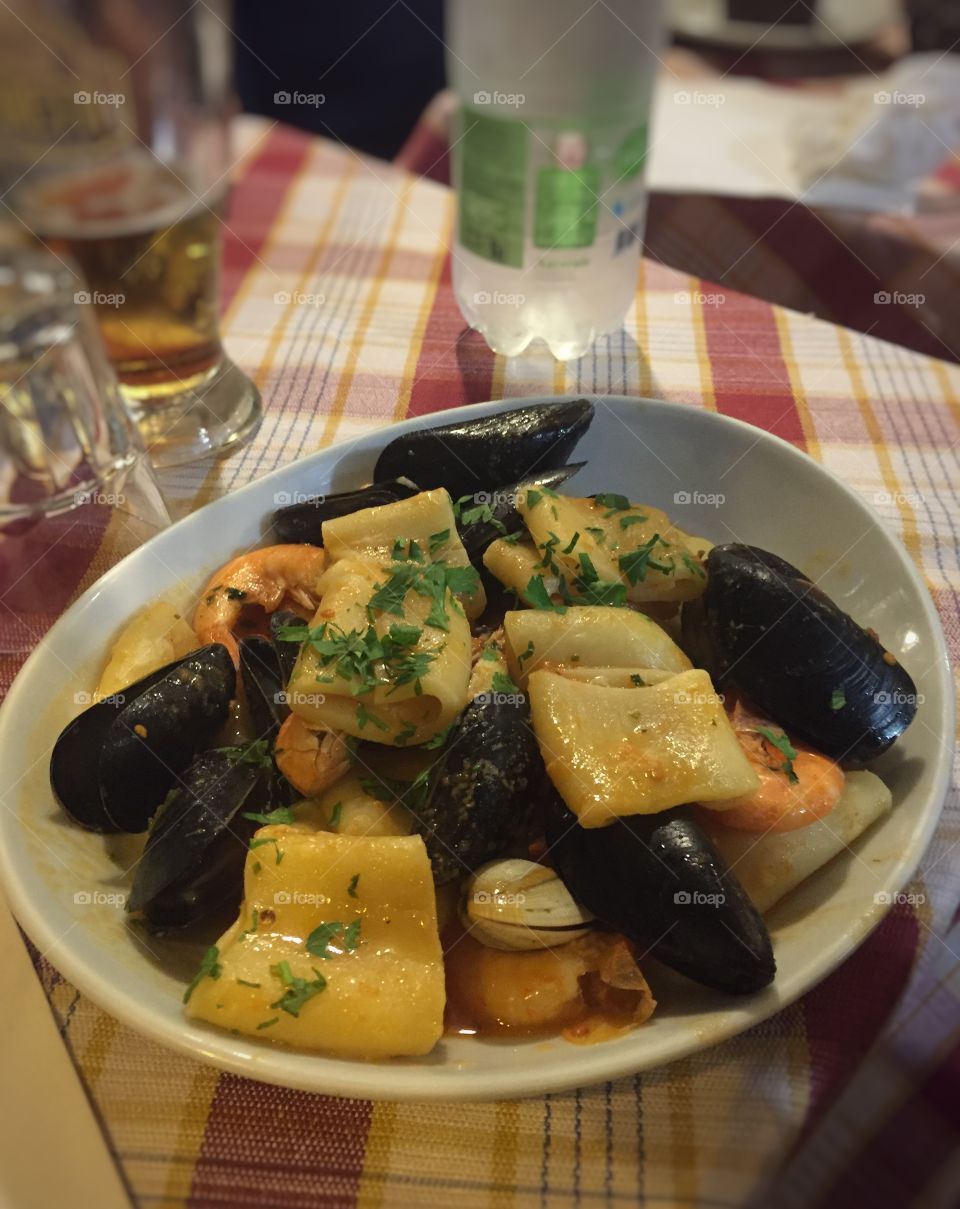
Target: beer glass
[[114, 153]]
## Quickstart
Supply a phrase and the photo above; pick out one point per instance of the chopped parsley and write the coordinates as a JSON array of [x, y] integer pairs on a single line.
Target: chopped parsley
[[352, 887], [298, 991], [568, 548], [257, 752], [615, 503], [536, 595], [437, 540], [635, 564], [210, 967], [373, 660], [258, 843], [489, 654], [404, 736], [838, 698], [244, 983], [439, 738], [534, 498], [479, 513], [635, 518], [323, 935], [527, 654], [254, 921], [267, 1023], [599, 535], [691, 564], [335, 814], [502, 683], [786, 749], [364, 716], [282, 814]]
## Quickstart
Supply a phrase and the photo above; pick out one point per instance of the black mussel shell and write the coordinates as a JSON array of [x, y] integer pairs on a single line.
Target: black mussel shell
[[287, 652], [302, 521], [658, 880], [193, 860], [480, 790], [472, 456], [264, 685], [782, 643], [75, 760], [156, 736], [503, 517]]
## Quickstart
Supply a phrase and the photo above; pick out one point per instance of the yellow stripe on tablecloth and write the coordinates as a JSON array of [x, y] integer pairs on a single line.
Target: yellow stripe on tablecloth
[[156, 1102], [377, 1155], [911, 538], [782, 320], [409, 379], [362, 327], [708, 396], [642, 326], [559, 377], [498, 376]]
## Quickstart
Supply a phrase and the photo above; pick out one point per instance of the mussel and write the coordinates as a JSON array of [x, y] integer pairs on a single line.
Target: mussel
[[286, 651], [264, 684], [495, 512], [193, 860], [472, 456], [155, 736], [658, 880], [480, 790], [765, 630], [75, 759], [303, 521]]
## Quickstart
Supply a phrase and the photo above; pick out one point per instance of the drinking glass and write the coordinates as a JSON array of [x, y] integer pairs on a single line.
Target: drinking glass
[[77, 490], [114, 153]]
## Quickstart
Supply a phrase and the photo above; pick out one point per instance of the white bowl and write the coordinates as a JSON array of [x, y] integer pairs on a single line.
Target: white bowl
[[769, 494]]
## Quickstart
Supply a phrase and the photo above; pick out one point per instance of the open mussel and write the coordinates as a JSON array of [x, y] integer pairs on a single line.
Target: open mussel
[[771, 634], [155, 736], [658, 880], [494, 513], [303, 520], [472, 456], [287, 652], [264, 684], [479, 792], [193, 860]]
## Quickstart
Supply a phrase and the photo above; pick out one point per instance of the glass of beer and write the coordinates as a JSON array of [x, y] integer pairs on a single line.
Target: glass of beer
[[114, 154]]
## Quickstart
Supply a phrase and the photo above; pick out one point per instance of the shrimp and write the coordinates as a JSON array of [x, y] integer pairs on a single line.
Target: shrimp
[[265, 577], [311, 759], [781, 802]]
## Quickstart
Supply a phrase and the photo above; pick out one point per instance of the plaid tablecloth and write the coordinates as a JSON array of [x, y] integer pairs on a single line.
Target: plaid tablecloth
[[337, 300]]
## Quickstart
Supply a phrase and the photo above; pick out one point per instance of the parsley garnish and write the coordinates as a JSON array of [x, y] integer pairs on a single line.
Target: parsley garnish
[[244, 983], [282, 814], [257, 752], [534, 498], [478, 513], [536, 595], [210, 967], [527, 654], [599, 535], [298, 990], [438, 539], [568, 549], [691, 564], [325, 934], [489, 654], [838, 698], [635, 519], [786, 749], [438, 739], [404, 736], [364, 716], [267, 1023], [615, 503], [503, 684], [352, 887], [635, 564], [335, 814], [255, 843]]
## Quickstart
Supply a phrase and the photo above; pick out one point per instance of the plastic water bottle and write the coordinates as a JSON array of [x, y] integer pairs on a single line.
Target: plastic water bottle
[[548, 156]]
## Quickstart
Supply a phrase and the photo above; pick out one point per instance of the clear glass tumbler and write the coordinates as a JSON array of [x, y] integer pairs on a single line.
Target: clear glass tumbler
[[114, 153], [77, 491]]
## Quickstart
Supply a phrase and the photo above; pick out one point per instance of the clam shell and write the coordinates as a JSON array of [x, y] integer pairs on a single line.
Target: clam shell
[[518, 904]]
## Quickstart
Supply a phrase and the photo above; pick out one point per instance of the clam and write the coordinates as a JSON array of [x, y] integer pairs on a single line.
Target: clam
[[303, 521], [479, 793], [155, 736], [659, 881], [763, 628], [518, 904], [473, 456]]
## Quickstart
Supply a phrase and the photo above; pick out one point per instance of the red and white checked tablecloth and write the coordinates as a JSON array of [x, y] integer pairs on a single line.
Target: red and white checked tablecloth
[[851, 1097]]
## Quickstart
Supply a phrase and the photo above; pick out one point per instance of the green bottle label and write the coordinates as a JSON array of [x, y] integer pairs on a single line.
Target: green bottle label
[[493, 187], [565, 211]]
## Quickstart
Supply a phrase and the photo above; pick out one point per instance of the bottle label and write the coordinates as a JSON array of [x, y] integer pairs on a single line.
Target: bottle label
[[555, 194]]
